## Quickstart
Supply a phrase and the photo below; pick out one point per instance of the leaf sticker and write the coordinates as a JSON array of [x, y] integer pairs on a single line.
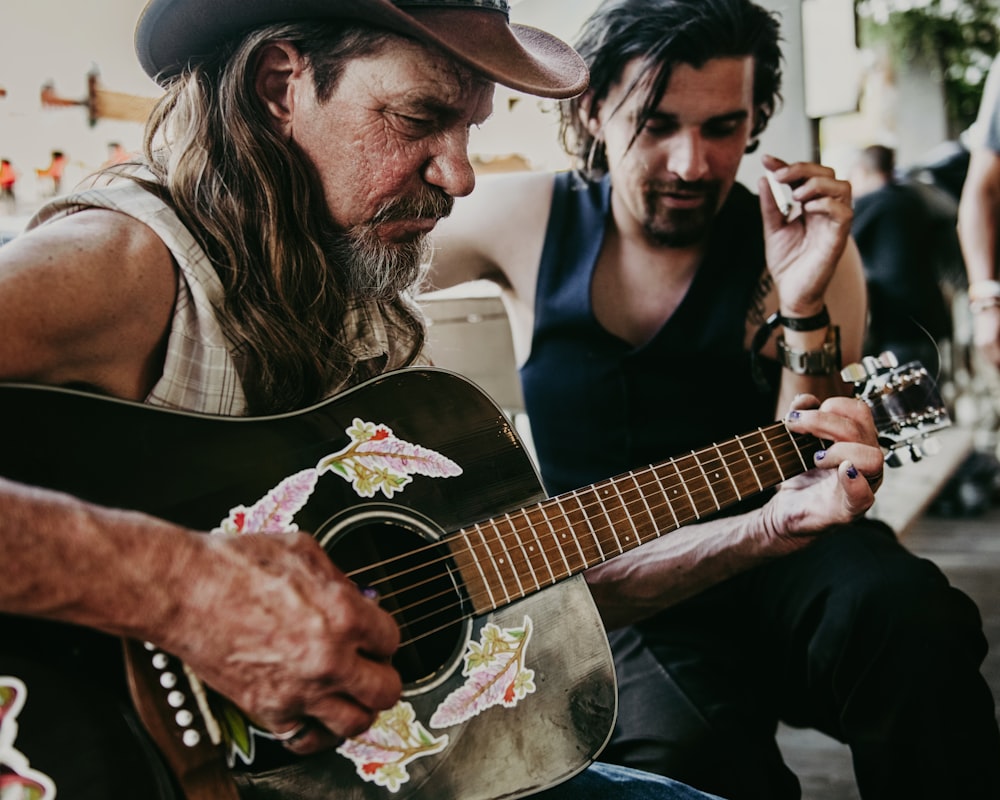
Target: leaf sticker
[[381, 753], [18, 781], [496, 675], [274, 512], [376, 461]]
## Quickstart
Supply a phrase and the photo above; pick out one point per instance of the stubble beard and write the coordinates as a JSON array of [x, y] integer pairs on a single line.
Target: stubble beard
[[679, 227]]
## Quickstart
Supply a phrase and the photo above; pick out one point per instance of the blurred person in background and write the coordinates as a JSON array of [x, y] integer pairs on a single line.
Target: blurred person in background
[[908, 313]]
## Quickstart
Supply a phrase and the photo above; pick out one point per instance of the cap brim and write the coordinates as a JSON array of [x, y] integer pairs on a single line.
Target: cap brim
[[171, 34]]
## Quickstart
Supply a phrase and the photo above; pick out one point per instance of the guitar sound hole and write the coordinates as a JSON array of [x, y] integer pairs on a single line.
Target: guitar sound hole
[[414, 581]]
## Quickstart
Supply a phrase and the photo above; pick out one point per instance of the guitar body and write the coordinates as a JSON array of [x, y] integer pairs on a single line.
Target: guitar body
[[209, 472]]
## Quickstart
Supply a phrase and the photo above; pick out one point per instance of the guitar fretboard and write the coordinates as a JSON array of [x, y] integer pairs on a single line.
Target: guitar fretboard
[[509, 557]]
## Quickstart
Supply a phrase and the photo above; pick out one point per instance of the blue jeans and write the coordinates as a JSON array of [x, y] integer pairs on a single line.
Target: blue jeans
[[603, 781]]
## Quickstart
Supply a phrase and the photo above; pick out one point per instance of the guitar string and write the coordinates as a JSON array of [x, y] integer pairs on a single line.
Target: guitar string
[[764, 448], [446, 623], [759, 448], [511, 539], [412, 622], [696, 470]]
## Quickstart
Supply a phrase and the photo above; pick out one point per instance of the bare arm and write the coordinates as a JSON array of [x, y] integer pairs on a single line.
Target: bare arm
[[87, 300], [814, 262], [978, 217], [265, 619], [692, 558], [496, 233]]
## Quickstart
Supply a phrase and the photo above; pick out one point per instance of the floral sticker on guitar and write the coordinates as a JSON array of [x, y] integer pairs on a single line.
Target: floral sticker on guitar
[[373, 461], [382, 752], [17, 780], [496, 675], [376, 460]]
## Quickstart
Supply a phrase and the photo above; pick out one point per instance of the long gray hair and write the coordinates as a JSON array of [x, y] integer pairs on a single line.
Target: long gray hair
[[257, 208]]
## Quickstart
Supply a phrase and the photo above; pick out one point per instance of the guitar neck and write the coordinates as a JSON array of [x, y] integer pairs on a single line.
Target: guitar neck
[[512, 556]]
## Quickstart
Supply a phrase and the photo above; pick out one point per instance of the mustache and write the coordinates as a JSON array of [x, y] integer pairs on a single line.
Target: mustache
[[682, 186], [429, 204]]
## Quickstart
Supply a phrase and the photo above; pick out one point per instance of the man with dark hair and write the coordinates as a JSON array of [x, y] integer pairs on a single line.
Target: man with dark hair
[[258, 257], [894, 233], [644, 290]]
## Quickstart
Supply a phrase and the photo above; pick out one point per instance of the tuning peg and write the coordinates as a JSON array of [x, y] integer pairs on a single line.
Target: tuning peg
[[888, 359], [869, 367], [854, 373]]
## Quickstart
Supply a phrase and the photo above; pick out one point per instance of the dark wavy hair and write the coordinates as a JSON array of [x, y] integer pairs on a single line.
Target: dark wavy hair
[[665, 33]]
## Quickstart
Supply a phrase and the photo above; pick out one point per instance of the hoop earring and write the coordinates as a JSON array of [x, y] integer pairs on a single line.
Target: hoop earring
[[589, 167]]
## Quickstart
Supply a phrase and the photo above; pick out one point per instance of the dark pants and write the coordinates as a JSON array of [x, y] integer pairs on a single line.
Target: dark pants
[[853, 636]]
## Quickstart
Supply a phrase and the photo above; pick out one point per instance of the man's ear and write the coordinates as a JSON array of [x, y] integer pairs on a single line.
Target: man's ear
[[280, 67], [589, 114]]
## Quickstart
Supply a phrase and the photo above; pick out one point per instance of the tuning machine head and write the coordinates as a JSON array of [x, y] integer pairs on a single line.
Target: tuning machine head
[[905, 403]]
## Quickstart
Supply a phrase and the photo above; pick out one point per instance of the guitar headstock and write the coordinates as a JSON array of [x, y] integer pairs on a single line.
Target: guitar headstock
[[905, 403]]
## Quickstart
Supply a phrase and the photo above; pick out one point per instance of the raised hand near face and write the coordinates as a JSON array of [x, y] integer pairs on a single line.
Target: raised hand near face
[[803, 250]]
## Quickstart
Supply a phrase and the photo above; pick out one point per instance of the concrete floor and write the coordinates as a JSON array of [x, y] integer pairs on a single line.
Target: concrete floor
[[968, 551]]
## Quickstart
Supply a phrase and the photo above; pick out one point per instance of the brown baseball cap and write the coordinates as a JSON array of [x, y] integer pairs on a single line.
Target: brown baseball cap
[[171, 34]]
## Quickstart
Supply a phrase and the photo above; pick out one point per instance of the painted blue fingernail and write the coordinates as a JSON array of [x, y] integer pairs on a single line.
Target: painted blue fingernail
[[852, 472], [820, 455], [794, 415], [369, 593]]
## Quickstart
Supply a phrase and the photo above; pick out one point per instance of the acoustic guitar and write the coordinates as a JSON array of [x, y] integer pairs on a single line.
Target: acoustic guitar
[[418, 487]]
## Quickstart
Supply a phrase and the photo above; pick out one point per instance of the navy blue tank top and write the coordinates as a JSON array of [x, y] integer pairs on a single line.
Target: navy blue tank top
[[598, 406]]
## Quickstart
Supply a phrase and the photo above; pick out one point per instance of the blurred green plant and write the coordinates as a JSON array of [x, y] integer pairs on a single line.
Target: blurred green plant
[[956, 38]]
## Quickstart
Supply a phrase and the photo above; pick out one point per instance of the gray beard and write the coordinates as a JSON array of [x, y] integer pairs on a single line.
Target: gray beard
[[374, 270]]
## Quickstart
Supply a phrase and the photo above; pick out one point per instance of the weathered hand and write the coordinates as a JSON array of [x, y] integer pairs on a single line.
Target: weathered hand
[[803, 251], [841, 488], [273, 625]]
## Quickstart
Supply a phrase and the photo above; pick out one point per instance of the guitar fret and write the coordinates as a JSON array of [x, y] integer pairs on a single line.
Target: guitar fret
[[763, 463], [470, 549], [518, 556], [568, 532], [708, 481], [498, 560], [639, 514], [655, 526], [529, 547], [694, 506], [798, 452], [533, 527], [663, 494], [541, 509], [774, 458], [612, 526], [726, 487], [629, 518], [746, 455], [596, 554]]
